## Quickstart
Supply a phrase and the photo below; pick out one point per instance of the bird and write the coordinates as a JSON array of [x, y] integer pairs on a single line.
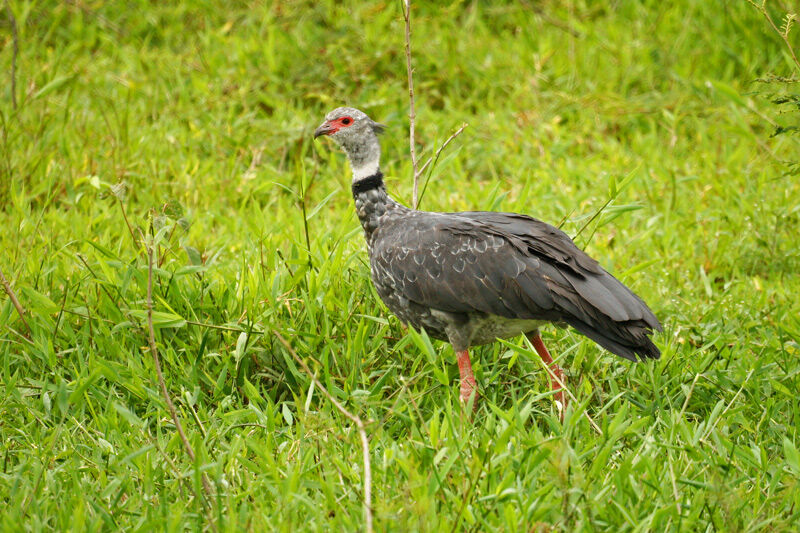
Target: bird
[[470, 278]]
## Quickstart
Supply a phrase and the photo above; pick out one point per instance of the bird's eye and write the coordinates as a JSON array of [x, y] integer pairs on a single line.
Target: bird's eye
[[346, 121]]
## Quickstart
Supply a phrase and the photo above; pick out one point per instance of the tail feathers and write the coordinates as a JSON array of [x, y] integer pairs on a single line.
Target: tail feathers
[[635, 346]]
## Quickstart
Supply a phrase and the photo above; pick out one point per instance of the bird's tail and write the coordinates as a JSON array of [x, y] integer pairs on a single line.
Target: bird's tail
[[631, 340]]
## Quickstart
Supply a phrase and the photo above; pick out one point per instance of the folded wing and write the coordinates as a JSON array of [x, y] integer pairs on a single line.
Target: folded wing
[[512, 266]]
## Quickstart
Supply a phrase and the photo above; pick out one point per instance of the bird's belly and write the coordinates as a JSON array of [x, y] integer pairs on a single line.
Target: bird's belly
[[470, 328], [487, 329]]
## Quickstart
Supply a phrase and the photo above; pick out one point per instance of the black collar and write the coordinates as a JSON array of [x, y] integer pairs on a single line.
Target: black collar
[[367, 184]]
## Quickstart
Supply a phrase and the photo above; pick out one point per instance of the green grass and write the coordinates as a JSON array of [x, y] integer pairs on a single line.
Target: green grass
[[204, 112]]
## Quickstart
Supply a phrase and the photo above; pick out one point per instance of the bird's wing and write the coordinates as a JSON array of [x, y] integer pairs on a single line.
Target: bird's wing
[[512, 266], [454, 264], [602, 290]]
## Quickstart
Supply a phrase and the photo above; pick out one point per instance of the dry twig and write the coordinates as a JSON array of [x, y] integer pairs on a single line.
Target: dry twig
[[355, 419], [435, 157], [157, 362], [127, 223], [15, 302], [784, 34], [412, 116]]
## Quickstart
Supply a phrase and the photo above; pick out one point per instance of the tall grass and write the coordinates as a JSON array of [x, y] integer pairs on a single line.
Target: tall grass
[[192, 122]]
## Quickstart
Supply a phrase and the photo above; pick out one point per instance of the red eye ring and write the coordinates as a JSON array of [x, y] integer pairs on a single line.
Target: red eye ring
[[346, 121]]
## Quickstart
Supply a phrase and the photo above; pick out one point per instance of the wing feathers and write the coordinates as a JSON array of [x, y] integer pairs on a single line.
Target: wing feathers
[[512, 266]]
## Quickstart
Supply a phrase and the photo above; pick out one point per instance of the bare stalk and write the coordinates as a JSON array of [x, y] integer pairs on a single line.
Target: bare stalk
[[157, 362], [412, 115], [15, 52], [127, 223], [762, 8], [14, 301], [355, 419], [435, 158], [442, 147]]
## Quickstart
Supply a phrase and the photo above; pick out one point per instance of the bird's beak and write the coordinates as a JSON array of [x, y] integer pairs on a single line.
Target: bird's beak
[[326, 129]]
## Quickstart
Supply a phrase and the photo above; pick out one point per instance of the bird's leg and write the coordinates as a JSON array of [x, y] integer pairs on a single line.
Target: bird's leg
[[468, 386], [553, 370]]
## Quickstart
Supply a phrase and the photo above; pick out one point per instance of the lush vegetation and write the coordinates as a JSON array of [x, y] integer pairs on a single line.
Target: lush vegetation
[[187, 127]]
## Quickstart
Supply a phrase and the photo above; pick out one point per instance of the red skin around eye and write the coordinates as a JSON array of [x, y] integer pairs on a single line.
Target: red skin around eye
[[339, 123]]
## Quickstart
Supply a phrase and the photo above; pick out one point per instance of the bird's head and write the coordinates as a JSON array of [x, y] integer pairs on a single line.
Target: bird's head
[[347, 124], [357, 134]]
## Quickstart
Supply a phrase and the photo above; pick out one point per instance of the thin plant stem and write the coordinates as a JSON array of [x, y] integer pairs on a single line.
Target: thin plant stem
[[412, 115], [762, 8], [15, 302], [354, 418], [161, 383], [435, 158], [128, 224]]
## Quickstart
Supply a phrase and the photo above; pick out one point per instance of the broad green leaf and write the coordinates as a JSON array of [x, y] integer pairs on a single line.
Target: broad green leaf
[[160, 318], [36, 301]]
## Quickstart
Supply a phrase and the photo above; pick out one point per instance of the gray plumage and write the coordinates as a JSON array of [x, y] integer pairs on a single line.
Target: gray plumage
[[474, 276]]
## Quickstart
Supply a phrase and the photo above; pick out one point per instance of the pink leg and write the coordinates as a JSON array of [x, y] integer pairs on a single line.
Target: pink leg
[[553, 368], [468, 386]]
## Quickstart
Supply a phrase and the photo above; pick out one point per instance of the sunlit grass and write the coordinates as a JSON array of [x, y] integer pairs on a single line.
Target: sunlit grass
[[198, 118]]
